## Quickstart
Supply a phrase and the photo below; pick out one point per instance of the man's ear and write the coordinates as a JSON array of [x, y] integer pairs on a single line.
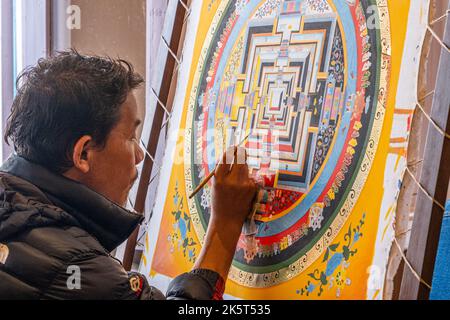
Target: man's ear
[[81, 154]]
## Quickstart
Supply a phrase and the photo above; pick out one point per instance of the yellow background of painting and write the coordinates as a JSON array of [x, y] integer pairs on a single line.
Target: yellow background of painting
[[369, 201]]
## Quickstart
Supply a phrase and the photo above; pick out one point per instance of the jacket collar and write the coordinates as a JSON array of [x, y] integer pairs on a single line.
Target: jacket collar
[[108, 222]]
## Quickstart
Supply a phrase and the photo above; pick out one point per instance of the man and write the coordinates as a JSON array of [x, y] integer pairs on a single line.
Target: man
[[73, 125]]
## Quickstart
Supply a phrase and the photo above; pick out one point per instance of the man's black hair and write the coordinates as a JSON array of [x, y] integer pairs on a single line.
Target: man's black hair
[[63, 98]]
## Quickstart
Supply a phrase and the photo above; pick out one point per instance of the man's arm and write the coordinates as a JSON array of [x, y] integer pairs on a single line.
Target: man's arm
[[102, 277], [232, 201], [97, 276], [199, 284]]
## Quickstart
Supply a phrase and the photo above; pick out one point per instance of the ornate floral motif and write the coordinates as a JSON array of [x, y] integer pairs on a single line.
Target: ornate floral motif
[[324, 139], [240, 5], [318, 5], [206, 197], [181, 238], [250, 247], [333, 274], [253, 248], [235, 60], [315, 216], [268, 8], [337, 58]]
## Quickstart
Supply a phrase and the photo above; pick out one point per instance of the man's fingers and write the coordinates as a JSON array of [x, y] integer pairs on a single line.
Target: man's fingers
[[223, 167], [234, 162], [242, 171], [241, 156], [253, 190], [240, 167]]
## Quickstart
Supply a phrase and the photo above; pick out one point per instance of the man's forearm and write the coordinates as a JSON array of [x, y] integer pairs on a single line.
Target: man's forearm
[[219, 247]]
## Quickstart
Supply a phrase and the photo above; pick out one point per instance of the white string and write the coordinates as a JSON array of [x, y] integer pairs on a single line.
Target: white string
[[166, 121], [178, 65], [186, 17], [440, 18], [427, 95], [409, 265], [445, 135], [403, 233], [184, 5], [169, 115], [170, 50], [155, 176], [179, 61], [188, 10], [154, 161], [443, 45], [147, 221], [160, 102], [424, 190], [438, 128], [131, 203], [438, 39], [144, 228], [415, 163], [146, 151]]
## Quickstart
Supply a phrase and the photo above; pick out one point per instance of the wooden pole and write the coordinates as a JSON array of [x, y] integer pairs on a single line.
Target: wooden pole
[[434, 177], [175, 19]]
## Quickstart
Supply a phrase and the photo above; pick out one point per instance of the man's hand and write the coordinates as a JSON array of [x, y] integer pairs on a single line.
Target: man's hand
[[233, 190], [232, 201]]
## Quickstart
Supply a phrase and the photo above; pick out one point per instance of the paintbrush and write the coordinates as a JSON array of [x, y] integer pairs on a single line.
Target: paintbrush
[[205, 181]]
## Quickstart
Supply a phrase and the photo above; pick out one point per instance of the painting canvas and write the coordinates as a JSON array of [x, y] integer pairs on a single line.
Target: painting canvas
[[325, 90]]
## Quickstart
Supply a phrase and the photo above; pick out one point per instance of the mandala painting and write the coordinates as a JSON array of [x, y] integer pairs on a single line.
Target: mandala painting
[[312, 86]]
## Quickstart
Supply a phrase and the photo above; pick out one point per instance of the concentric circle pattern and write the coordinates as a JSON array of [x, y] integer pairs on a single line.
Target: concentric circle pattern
[[306, 81]]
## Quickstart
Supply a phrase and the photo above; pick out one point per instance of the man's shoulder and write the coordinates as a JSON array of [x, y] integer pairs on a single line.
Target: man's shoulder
[[63, 242], [37, 257], [51, 248], [12, 186], [27, 216]]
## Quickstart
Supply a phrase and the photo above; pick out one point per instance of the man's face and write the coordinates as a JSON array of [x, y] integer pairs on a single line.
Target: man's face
[[113, 169]]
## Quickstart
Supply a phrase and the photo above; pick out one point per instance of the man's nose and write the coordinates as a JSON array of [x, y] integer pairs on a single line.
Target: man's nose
[[139, 154]]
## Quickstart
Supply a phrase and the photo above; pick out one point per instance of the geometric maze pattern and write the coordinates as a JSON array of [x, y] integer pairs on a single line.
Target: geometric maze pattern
[[286, 63], [281, 72]]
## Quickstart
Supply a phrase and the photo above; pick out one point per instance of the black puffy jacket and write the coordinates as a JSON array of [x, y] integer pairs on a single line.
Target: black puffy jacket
[[56, 236]]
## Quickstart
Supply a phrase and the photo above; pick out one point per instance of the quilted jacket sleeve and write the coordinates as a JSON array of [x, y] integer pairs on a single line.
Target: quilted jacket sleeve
[[92, 276], [80, 279], [199, 284]]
